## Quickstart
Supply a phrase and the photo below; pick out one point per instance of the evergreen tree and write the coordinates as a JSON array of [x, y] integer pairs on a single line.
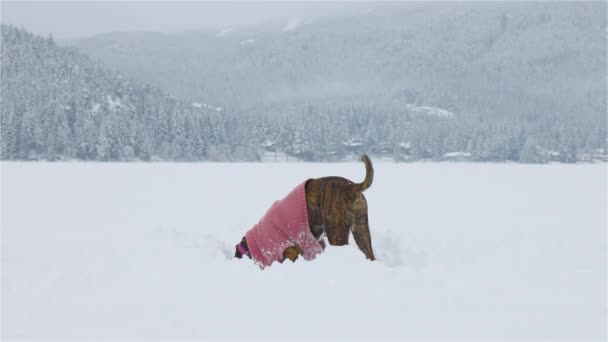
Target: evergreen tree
[[532, 153]]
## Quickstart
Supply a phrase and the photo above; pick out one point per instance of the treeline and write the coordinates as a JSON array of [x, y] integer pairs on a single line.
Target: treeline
[[57, 104]]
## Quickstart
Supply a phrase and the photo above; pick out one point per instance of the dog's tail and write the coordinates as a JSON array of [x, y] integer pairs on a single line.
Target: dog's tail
[[369, 175]]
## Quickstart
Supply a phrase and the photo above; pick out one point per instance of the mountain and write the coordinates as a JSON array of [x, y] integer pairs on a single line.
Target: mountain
[[493, 59], [59, 104]]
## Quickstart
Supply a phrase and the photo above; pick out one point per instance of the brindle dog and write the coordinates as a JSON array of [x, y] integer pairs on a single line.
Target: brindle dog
[[336, 206]]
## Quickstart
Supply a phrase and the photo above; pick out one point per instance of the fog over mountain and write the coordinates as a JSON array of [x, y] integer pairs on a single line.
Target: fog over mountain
[[491, 59]]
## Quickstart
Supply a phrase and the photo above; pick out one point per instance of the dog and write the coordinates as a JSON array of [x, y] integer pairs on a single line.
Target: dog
[[331, 207]]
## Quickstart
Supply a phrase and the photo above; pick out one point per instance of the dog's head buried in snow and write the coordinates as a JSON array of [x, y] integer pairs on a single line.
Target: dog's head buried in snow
[[329, 207]]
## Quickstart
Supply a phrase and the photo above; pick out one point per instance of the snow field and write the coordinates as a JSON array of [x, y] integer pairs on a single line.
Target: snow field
[[142, 251]]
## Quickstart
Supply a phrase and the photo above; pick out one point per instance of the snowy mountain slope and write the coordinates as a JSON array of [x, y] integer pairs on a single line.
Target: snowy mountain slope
[[140, 251], [494, 58], [58, 103]]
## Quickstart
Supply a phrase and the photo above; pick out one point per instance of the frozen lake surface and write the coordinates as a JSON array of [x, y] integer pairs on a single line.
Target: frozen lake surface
[[140, 251]]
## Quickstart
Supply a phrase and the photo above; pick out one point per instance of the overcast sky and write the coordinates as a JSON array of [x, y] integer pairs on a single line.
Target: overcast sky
[[85, 18]]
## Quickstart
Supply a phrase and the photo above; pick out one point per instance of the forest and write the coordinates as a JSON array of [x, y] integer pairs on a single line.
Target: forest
[[59, 104]]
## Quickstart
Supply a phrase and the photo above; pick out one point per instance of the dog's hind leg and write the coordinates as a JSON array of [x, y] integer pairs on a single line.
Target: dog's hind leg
[[360, 228]]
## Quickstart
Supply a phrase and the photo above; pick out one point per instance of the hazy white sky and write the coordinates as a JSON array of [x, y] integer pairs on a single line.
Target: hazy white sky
[[85, 18]]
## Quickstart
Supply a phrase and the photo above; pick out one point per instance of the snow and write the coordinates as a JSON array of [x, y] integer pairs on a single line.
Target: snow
[[223, 32], [141, 251], [456, 155], [430, 111], [247, 41], [353, 143], [405, 145], [217, 109], [96, 107], [201, 105], [267, 143], [292, 24], [114, 104]]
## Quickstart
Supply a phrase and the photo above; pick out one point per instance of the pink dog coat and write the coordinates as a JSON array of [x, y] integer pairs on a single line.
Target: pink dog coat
[[284, 225]]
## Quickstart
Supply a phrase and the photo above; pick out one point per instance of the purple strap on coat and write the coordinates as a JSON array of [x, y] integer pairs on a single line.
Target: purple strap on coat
[[242, 249]]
